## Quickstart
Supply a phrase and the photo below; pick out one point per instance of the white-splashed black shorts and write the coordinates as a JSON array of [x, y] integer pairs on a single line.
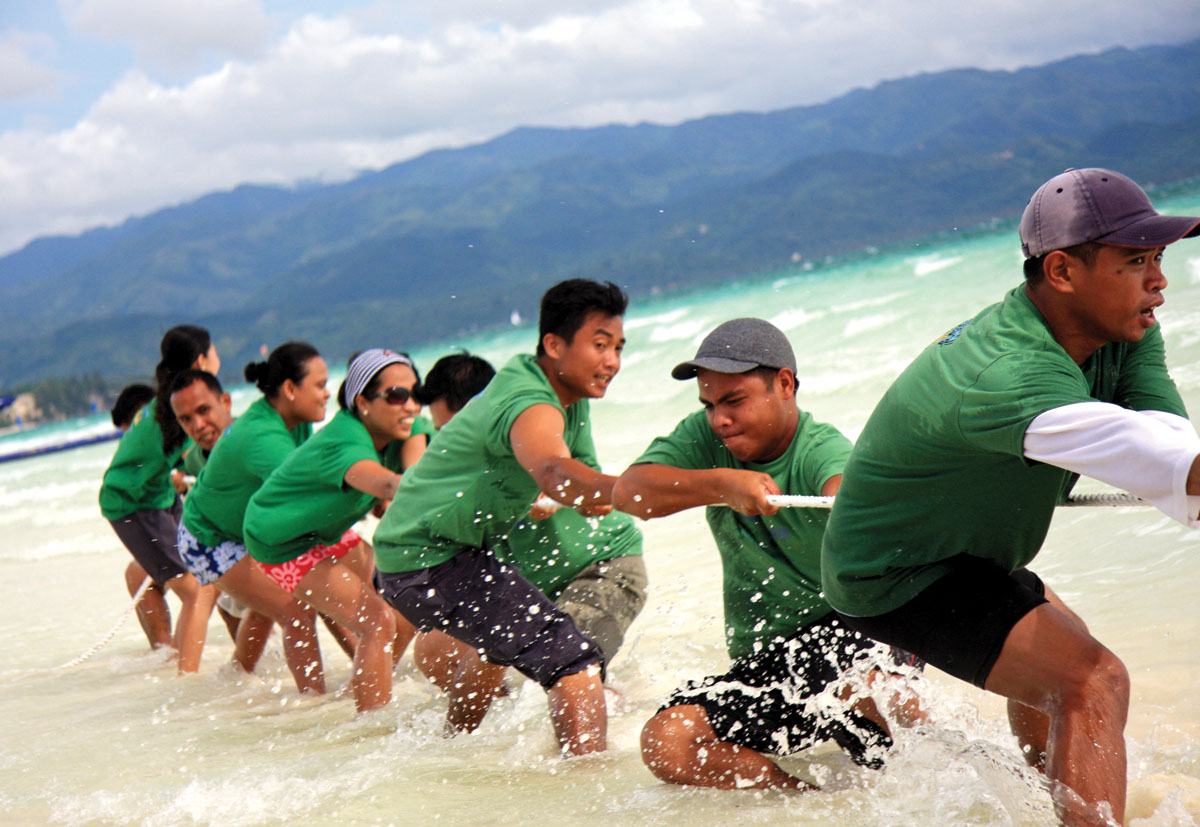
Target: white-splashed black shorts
[[484, 603], [774, 701]]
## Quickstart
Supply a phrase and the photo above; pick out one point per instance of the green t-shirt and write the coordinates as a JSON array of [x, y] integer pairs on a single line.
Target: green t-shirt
[[245, 455], [468, 490], [771, 564], [551, 553], [939, 469], [305, 501], [139, 476], [194, 460]]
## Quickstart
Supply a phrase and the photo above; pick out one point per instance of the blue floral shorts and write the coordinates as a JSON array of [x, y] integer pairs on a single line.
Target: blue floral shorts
[[208, 563]]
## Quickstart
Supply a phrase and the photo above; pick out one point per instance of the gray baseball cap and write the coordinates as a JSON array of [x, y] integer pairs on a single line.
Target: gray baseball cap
[[1083, 205], [739, 345]]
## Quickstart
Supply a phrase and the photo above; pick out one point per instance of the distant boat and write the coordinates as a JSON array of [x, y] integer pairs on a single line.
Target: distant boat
[[55, 447], [515, 318]]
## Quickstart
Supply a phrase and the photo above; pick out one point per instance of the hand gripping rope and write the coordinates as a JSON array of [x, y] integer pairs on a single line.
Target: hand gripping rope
[[1116, 500]]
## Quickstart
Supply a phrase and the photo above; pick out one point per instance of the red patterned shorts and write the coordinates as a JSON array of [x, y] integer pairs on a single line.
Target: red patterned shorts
[[289, 574]]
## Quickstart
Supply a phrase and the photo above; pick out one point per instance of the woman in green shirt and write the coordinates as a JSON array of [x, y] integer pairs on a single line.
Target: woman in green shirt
[[293, 382], [297, 525], [138, 499]]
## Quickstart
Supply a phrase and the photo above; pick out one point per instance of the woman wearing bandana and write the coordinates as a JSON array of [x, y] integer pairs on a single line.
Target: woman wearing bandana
[[297, 526]]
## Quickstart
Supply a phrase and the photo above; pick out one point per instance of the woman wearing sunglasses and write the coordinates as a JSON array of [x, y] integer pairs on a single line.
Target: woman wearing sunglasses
[[297, 526]]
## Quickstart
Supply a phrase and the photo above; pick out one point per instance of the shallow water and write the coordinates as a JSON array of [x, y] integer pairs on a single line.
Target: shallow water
[[120, 739]]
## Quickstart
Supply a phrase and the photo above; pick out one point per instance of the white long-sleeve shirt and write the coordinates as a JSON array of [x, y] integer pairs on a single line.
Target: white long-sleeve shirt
[[1147, 453]]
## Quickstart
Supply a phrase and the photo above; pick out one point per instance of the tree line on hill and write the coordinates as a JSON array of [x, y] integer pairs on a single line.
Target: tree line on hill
[[455, 240]]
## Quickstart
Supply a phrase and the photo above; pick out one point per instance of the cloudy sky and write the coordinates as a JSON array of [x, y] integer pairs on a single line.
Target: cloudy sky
[[112, 108]]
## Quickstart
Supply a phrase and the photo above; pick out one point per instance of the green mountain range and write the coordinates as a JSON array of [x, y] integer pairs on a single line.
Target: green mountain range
[[455, 240]]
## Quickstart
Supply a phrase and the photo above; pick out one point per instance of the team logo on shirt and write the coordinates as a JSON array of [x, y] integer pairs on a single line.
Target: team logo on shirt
[[953, 334]]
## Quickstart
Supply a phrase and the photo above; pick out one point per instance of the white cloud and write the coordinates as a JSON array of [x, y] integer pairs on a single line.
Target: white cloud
[[23, 70], [173, 36], [332, 95]]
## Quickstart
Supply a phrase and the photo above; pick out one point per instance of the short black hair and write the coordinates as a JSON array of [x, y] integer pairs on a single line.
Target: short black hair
[[130, 400], [567, 304], [455, 379], [189, 377], [180, 347], [1085, 252]]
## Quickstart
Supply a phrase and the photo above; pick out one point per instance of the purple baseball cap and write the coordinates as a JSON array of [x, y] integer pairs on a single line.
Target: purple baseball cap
[[1083, 205]]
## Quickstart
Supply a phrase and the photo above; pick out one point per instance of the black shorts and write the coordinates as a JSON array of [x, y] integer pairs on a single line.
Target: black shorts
[[486, 604], [959, 624], [766, 700], [152, 538]]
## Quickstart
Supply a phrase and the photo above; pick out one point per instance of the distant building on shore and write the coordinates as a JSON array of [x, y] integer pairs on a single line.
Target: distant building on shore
[[21, 408]]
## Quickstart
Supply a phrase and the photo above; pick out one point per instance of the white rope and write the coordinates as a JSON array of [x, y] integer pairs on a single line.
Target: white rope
[[113, 631], [798, 501]]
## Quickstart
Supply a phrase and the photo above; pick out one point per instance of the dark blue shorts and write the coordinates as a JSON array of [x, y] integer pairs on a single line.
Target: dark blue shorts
[[475, 598], [767, 701], [959, 624], [152, 538]]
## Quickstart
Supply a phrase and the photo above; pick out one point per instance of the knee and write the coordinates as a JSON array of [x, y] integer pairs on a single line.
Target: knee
[[667, 738], [134, 576], [379, 617], [1105, 685]]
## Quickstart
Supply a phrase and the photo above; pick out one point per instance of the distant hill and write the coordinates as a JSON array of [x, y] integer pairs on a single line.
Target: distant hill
[[456, 239]]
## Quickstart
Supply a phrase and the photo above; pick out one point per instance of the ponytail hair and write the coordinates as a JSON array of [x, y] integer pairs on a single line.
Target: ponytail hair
[[181, 346], [288, 361]]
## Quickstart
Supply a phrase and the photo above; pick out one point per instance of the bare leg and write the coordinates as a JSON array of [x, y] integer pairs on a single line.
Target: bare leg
[[680, 746], [335, 590], [346, 640], [405, 632], [248, 583], [1050, 663], [437, 656], [578, 712], [252, 634], [152, 611], [903, 705], [361, 560], [192, 627], [1031, 727], [231, 623]]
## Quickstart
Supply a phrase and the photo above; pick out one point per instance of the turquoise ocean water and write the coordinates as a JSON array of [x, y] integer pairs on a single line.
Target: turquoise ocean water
[[120, 739]]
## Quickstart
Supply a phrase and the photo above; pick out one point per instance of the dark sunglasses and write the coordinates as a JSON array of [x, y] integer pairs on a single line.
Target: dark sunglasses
[[394, 395]]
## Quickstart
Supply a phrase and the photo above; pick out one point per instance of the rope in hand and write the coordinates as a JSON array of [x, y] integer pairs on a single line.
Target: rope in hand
[[780, 500], [1110, 500]]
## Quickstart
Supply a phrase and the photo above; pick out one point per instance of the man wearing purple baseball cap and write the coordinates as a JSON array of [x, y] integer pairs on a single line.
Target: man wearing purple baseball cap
[[949, 491]]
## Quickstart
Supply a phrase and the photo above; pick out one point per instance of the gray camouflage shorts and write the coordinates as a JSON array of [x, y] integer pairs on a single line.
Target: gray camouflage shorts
[[604, 599]]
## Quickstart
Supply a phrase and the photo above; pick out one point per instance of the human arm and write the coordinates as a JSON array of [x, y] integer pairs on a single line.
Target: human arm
[[412, 450], [1152, 454], [655, 490], [539, 446], [372, 478]]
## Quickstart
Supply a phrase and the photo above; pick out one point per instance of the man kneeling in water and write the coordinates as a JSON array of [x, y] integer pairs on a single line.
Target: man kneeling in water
[[750, 441]]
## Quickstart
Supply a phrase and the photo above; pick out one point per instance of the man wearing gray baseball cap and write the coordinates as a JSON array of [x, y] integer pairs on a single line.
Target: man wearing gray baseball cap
[[950, 489], [750, 441]]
